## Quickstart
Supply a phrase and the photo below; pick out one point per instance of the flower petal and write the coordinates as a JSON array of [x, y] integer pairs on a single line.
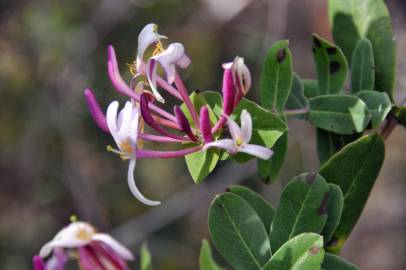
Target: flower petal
[[114, 245], [75, 235], [226, 144], [148, 36], [111, 116], [95, 110], [256, 150], [151, 75], [131, 183], [235, 130], [125, 125], [38, 263], [58, 260], [205, 127], [246, 126], [228, 92]]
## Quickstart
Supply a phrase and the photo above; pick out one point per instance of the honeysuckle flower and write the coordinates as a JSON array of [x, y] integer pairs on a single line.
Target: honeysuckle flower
[[241, 75], [124, 129], [173, 56], [148, 36], [241, 136], [79, 240]]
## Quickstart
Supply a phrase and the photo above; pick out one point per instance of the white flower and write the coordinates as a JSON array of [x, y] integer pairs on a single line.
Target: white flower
[[148, 36], [173, 55], [124, 130], [240, 139], [79, 234]]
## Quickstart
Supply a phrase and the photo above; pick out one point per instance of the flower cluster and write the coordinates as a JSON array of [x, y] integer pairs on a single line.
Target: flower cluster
[[80, 241], [185, 127]]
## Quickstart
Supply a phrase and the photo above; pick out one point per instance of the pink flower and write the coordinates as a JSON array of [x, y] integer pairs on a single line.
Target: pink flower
[[79, 240], [240, 139]]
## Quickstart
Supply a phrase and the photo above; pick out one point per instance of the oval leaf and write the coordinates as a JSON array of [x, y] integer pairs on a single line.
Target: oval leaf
[[378, 103], [302, 208], [333, 262], [304, 252], [145, 259], [238, 232], [206, 261], [354, 169], [362, 66], [331, 66], [334, 211], [263, 208], [310, 88], [276, 77], [296, 99], [352, 20], [202, 163], [343, 114]]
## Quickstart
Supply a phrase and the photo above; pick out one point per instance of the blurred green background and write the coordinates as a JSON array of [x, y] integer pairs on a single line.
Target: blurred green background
[[53, 161]]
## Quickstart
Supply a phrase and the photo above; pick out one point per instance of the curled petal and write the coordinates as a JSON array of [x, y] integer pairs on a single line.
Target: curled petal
[[69, 237], [226, 144], [114, 245], [205, 127], [108, 255], [95, 110], [256, 150], [148, 36], [88, 260], [228, 92], [152, 76], [184, 123], [246, 126], [243, 75], [134, 190]]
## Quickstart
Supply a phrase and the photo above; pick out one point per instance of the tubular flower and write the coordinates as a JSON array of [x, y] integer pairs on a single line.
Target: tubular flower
[[124, 129], [79, 240], [240, 139], [241, 76], [168, 59]]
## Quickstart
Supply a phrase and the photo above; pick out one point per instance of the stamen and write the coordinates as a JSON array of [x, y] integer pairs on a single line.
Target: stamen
[[159, 48], [122, 154], [132, 67]]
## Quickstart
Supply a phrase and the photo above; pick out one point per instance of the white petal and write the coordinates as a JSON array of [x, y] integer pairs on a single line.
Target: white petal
[[152, 66], [246, 126], [148, 36], [256, 150], [69, 237], [124, 128], [243, 74], [235, 130], [131, 183], [114, 245], [226, 144], [134, 127], [111, 116], [184, 61], [174, 54]]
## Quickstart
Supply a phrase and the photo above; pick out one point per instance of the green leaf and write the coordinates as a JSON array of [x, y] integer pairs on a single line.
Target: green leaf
[[302, 208], [352, 20], [202, 163], [268, 170], [378, 104], [331, 66], [206, 261], [238, 232], [303, 252], [267, 128], [334, 211], [145, 259], [326, 144], [296, 99], [310, 88], [362, 66], [354, 169], [343, 114], [198, 101], [334, 262], [400, 113], [276, 77], [215, 101], [261, 206]]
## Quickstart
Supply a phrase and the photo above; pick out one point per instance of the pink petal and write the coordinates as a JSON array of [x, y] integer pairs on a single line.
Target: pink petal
[[205, 127], [114, 245], [95, 110]]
